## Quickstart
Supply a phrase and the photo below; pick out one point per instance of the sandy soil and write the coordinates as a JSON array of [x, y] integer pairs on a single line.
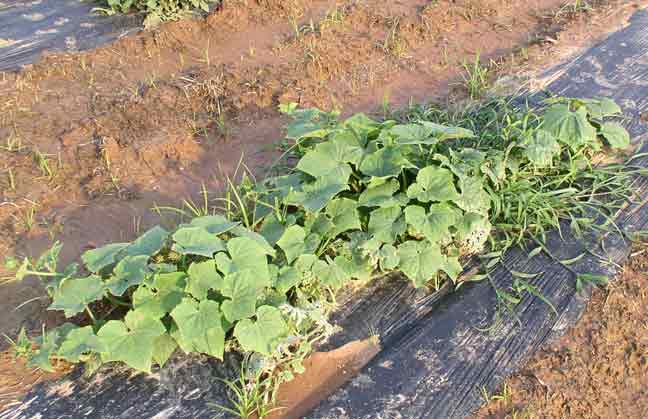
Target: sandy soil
[[90, 142], [598, 370]]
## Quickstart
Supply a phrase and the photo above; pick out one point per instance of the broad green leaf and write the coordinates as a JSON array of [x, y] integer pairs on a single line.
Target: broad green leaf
[[344, 215], [380, 195], [600, 108], [433, 226], [48, 345], [309, 123], [97, 259], [474, 197], [317, 223], [571, 128], [615, 135], [248, 255], [241, 231], [202, 278], [433, 184], [162, 296], [78, 342], [292, 242], [196, 241], [452, 267], [356, 266], [74, 295], [163, 347], [541, 149], [420, 261], [263, 334], [272, 229], [386, 162], [329, 158], [316, 195], [214, 224], [243, 289], [201, 326], [361, 124], [413, 134], [131, 341], [444, 132], [288, 277], [149, 243], [386, 224], [130, 271], [330, 274], [389, 258]]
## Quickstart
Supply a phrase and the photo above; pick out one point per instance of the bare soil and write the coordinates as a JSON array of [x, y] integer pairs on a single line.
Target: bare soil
[[90, 142], [598, 370]]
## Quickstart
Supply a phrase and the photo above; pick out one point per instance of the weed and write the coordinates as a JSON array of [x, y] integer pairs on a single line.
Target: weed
[[43, 164], [476, 78], [251, 394]]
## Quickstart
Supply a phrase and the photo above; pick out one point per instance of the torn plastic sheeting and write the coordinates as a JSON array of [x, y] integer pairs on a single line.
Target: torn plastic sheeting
[[29, 28], [435, 360]]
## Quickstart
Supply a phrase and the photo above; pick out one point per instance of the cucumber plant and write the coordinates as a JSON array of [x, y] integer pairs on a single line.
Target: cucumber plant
[[365, 198]]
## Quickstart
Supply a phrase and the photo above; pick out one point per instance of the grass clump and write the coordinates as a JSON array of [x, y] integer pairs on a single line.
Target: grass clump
[[414, 194]]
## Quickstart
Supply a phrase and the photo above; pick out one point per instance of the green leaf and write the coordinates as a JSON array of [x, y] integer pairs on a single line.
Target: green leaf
[[264, 334], [329, 158], [541, 149], [380, 195], [386, 162], [214, 224], [309, 123], [410, 134], [330, 274], [344, 215], [79, 342], [434, 225], [361, 124], [386, 224], [74, 295], [49, 344], [196, 241], [433, 184], [474, 197], [49, 259], [292, 242], [420, 261], [272, 229], [243, 288], [316, 195], [248, 255], [130, 271], [202, 278], [444, 132], [241, 231], [600, 108], [615, 135], [288, 277], [163, 347], [149, 243], [388, 256], [159, 298], [201, 326], [97, 259], [571, 128], [131, 341]]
